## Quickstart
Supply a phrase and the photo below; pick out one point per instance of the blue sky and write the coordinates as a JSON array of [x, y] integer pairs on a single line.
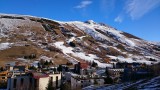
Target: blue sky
[[138, 17]]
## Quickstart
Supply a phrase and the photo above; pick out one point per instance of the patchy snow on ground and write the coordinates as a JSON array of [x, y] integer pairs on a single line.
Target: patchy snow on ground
[[88, 29], [129, 42], [81, 38], [45, 58], [4, 46], [71, 39], [9, 25], [91, 30], [129, 60], [35, 64], [151, 57], [22, 59], [82, 55]]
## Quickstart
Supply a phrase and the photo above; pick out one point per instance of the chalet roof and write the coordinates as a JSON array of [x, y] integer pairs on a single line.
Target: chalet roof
[[83, 65], [38, 75]]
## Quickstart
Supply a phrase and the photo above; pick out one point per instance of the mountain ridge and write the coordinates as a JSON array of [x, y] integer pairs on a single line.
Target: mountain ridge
[[71, 42]]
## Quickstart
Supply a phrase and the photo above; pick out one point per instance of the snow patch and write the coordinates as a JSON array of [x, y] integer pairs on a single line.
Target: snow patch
[[4, 46], [45, 58], [91, 30], [82, 55], [129, 60]]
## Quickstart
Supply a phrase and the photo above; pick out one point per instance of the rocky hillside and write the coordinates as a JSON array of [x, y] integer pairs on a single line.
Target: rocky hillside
[[28, 38]]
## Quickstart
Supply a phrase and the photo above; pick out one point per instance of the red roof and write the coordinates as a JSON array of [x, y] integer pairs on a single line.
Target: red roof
[[83, 65], [39, 75]]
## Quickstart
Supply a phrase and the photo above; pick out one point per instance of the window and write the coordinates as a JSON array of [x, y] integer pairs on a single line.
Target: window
[[35, 85], [51, 80], [30, 80], [22, 81], [14, 83], [56, 81]]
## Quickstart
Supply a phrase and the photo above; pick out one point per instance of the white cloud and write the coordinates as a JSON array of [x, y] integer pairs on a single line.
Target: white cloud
[[83, 4], [118, 19], [137, 8]]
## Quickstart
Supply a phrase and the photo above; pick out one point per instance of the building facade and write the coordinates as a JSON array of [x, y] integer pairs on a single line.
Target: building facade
[[81, 81], [33, 81]]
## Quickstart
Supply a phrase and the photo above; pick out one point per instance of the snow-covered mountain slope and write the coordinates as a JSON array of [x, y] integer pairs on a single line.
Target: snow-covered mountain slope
[[74, 41], [158, 43]]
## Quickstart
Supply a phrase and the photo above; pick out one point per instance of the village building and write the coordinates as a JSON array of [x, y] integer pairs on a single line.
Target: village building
[[33, 81], [116, 74], [3, 76], [20, 78], [81, 81], [81, 68]]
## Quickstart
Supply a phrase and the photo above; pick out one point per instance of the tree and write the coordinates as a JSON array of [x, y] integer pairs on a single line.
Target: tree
[[114, 65], [1, 69], [107, 72], [94, 64], [66, 86], [108, 80], [59, 68], [66, 69], [39, 66], [95, 82], [46, 63], [50, 62], [54, 69], [42, 62], [50, 86], [72, 44], [32, 68]]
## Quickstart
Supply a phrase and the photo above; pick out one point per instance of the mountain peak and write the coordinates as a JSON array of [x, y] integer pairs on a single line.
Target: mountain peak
[[90, 22]]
